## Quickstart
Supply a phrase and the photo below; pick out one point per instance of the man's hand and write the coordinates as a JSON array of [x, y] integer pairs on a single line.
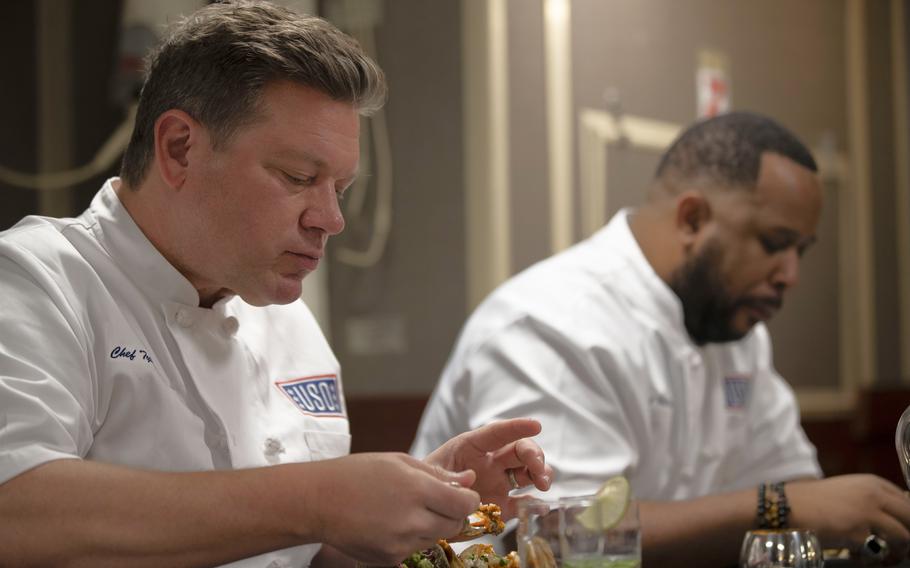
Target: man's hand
[[491, 451], [844, 510], [381, 507]]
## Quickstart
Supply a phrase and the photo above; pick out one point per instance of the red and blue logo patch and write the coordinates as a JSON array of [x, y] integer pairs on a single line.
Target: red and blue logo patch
[[315, 396]]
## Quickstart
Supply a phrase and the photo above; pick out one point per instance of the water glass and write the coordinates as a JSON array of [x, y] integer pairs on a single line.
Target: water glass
[[780, 548], [902, 444], [551, 536]]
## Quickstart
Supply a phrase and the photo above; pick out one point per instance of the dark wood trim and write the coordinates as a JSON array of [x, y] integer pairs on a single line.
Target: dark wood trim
[[861, 443]]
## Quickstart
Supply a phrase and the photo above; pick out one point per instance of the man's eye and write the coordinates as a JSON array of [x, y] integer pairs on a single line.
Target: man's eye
[[306, 180], [772, 245]]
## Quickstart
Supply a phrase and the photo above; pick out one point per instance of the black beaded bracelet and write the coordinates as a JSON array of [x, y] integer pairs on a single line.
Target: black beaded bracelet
[[773, 510], [783, 507]]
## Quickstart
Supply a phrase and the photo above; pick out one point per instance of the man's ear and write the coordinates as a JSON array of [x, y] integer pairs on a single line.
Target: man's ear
[[175, 133], [693, 213]]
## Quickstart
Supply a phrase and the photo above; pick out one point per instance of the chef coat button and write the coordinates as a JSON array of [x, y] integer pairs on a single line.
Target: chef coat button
[[273, 447], [184, 318], [230, 325]]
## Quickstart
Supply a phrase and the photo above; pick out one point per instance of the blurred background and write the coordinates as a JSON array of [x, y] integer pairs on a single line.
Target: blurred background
[[515, 128]]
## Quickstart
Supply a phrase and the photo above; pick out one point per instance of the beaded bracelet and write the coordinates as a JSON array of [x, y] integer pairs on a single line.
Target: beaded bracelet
[[773, 510]]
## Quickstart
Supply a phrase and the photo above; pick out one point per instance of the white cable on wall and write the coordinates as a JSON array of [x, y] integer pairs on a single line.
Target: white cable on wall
[[141, 24], [104, 158], [114, 146], [362, 18], [382, 213]]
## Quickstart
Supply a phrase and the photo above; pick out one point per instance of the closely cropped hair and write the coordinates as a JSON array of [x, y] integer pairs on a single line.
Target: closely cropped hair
[[214, 64], [725, 151]]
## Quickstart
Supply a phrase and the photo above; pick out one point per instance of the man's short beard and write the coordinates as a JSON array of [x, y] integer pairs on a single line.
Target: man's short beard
[[707, 307]]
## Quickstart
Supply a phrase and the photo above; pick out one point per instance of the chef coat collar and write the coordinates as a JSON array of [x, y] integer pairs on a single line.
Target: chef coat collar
[[656, 296], [135, 254]]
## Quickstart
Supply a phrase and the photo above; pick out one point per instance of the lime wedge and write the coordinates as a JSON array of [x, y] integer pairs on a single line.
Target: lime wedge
[[609, 507]]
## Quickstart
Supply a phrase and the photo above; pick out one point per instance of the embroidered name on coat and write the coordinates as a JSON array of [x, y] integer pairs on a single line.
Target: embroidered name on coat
[[120, 351], [316, 396], [737, 390]]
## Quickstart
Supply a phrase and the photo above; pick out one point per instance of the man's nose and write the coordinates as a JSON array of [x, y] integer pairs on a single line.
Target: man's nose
[[323, 211], [787, 273]]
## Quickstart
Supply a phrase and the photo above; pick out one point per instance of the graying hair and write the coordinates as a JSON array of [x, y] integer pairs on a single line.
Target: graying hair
[[214, 64]]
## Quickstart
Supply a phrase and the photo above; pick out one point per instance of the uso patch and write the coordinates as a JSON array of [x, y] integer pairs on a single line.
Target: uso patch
[[316, 396], [737, 390]]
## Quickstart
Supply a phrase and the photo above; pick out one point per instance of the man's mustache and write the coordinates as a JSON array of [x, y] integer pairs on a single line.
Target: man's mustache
[[771, 302]]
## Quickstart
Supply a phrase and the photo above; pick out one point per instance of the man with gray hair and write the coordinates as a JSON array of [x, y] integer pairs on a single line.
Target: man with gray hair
[[643, 353], [165, 398]]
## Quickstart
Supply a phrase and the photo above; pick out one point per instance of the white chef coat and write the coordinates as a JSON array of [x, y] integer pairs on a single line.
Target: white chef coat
[[591, 342], [106, 355]]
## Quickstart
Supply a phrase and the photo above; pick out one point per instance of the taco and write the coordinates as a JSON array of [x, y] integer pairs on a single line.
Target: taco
[[483, 556], [486, 520], [433, 557], [489, 519], [441, 555]]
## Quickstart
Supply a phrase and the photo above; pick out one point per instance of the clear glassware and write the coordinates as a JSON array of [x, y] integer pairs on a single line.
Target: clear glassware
[[551, 536], [780, 548], [902, 444]]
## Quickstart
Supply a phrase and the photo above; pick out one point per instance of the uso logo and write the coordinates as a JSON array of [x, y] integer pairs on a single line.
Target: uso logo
[[316, 396]]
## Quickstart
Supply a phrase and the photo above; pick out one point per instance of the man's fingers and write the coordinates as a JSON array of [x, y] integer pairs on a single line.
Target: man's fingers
[[535, 468], [438, 526], [524, 477], [464, 478], [898, 506], [523, 453], [531, 455], [542, 481], [527, 462], [493, 436], [446, 492], [510, 508], [452, 502], [895, 493], [896, 535]]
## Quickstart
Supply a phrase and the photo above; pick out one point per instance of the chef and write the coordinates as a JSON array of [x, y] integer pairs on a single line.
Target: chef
[[165, 398]]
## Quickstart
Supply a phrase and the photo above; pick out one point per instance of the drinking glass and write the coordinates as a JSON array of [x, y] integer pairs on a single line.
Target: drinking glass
[[902, 444], [780, 548], [550, 535]]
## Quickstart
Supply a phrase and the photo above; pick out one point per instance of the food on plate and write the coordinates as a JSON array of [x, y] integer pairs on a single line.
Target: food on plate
[[487, 519], [538, 554], [483, 556], [433, 557], [441, 555]]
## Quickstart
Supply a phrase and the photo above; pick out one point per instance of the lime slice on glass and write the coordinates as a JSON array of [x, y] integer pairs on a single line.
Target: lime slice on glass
[[609, 507]]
